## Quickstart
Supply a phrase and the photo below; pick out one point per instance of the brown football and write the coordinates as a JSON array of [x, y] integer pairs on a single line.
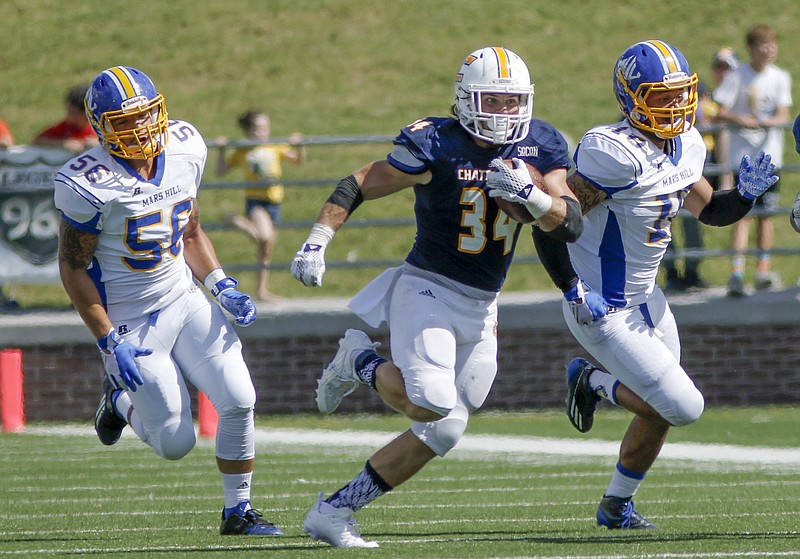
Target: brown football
[[516, 210]]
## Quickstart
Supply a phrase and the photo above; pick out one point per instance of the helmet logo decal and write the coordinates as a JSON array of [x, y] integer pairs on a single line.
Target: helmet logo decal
[[134, 102], [627, 69]]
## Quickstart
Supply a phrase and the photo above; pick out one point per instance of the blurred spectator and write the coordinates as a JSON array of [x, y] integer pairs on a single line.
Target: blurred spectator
[[261, 163], [754, 102], [716, 144], [6, 137], [73, 132]]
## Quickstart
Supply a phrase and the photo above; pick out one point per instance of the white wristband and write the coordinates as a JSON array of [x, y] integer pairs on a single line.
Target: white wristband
[[212, 278], [538, 202], [320, 234]]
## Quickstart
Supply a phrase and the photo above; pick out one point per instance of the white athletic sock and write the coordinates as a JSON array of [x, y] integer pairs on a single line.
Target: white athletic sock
[[236, 488], [604, 385], [124, 408], [122, 404], [624, 483]]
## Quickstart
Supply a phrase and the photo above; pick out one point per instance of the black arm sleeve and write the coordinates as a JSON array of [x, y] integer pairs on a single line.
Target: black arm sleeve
[[347, 194], [724, 208], [555, 259], [571, 229]]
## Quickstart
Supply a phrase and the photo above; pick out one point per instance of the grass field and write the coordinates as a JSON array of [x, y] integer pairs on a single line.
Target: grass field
[[505, 492], [358, 67]]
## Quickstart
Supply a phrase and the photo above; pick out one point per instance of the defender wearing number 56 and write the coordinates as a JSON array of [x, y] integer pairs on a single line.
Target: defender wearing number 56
[[130, 244]]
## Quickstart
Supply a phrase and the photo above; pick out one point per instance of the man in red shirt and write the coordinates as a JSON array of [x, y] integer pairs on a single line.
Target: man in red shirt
[[6, 137], [73, 132]]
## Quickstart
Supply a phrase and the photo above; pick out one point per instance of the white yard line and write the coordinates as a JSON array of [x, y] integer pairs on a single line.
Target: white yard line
[[511, 445]]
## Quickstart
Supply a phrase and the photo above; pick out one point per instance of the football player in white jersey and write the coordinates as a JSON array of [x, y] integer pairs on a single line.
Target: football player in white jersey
[[632, 177], [130, 244], [794, 217]]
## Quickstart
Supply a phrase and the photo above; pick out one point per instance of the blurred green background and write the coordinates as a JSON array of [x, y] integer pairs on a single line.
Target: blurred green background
[[358, 67]]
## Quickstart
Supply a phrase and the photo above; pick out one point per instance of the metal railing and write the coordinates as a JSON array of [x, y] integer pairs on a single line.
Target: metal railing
[[709, 170]]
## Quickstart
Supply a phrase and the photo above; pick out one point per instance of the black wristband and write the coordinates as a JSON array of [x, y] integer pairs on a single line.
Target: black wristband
[[724, 208], [347, 194], [554, 256]]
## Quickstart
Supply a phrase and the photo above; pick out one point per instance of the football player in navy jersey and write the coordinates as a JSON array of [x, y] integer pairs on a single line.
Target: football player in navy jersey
[[130, 244], [441, 304], [632, 178]]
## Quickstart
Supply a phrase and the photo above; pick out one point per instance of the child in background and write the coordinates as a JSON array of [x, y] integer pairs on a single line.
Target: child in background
[[261, 163], [73, 132]]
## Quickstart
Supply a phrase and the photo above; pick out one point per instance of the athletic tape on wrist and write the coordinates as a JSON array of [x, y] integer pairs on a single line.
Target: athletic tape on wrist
[[212, 278], [538, 202], [320, 234]]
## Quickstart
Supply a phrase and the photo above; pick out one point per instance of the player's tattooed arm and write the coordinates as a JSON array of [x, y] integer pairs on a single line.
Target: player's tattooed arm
[[76, 248], [586, 193]]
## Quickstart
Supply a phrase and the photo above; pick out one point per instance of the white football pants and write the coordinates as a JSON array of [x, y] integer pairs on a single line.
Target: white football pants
[[192, 340], [639, 345], [445, 345]]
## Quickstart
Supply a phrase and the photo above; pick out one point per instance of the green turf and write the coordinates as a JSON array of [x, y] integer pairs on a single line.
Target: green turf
[[68, 496], [356, 67]]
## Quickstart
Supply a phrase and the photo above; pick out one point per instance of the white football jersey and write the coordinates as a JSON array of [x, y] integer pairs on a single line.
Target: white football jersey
[[626, 235], [139, 263]]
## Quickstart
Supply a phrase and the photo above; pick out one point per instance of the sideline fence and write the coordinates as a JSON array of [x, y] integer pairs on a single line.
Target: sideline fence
[[709, 170]]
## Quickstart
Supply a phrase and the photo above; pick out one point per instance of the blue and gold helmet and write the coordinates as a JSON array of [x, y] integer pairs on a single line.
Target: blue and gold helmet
[[651, 67], [127, 113]]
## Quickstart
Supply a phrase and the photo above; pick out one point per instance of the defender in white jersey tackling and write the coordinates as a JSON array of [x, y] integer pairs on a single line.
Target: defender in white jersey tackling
[[130, 243], [632, 178]]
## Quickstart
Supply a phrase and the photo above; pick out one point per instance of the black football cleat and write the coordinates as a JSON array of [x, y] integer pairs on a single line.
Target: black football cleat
[[581, 401], [243, 521], [618, 513], [107, 423]]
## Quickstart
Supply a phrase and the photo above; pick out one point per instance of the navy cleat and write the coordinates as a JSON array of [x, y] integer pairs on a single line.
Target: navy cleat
[[581, 401], [617, 513], [243, 520], [107, 423]]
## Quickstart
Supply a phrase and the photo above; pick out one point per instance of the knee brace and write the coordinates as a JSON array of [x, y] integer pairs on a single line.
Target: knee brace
[[236, 434], [443, 435]]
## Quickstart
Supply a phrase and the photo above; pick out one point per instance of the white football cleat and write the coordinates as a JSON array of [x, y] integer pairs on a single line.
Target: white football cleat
[[334, 526], [339, 377]]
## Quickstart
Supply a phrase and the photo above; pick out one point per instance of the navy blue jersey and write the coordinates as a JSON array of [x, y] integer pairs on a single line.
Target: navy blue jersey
[[461, 233]]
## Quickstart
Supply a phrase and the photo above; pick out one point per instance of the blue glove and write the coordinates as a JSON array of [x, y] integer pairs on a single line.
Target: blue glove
[[586, 305], [235, 302], [796, 131], [794, 217], [124, 354], [754, 180]]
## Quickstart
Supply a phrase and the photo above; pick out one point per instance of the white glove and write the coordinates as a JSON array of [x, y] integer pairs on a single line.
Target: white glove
[[515, 185], [308, 265]]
